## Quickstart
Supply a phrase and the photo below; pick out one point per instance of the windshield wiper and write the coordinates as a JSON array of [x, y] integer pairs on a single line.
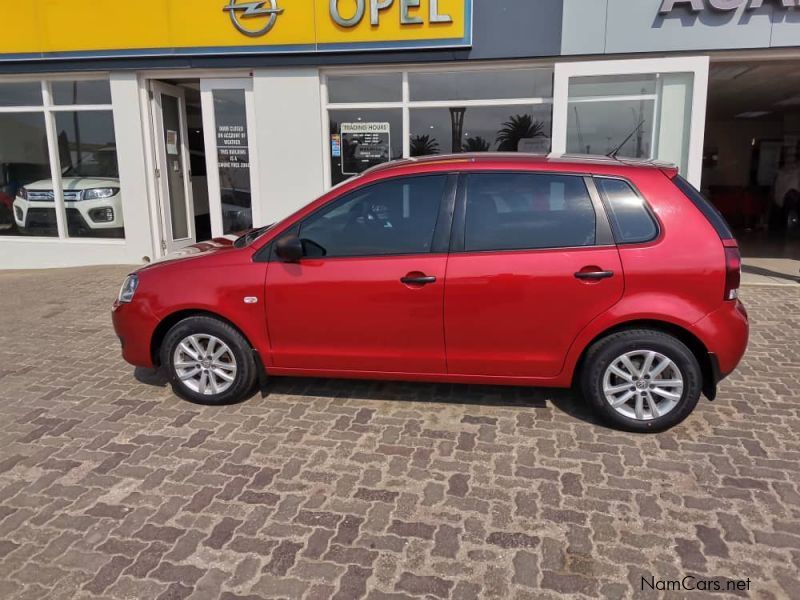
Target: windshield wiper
[[249, 237], [615, 151]]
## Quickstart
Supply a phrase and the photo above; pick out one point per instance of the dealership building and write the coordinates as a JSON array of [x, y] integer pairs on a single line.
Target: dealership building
[[129, 130]]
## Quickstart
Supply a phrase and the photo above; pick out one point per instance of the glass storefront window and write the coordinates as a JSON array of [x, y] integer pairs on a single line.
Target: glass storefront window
[[519, 128], [81, 92], [360, 139], [605, 126], [26, 200], [233, 157], [612, 85], [485, 84], [384, 87], [87, 151], [27, 93], [86, 147]]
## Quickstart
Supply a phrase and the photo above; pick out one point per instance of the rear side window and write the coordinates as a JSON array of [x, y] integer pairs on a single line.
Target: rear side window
[[709, 211], [519, 211], [631, 221]]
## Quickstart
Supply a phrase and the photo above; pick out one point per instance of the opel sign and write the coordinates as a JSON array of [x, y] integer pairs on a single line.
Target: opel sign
[[667, 6], [253, 19]]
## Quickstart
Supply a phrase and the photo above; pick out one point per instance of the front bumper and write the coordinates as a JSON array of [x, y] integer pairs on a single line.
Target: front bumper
[[31, 215], [134, 325]]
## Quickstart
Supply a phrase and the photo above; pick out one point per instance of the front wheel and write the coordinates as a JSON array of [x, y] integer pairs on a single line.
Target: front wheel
[[208, 362], [642, 380]]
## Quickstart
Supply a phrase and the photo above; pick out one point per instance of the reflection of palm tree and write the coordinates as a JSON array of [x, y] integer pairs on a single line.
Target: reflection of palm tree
[[518, 127], [476, 144], [422, 145]]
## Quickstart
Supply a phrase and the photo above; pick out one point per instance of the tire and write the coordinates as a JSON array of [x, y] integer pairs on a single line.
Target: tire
[[187, 342], [602, 382]]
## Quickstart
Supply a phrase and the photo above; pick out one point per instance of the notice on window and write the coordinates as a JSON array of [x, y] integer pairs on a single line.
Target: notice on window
[[232, 149], [364, 145], [172, 142]]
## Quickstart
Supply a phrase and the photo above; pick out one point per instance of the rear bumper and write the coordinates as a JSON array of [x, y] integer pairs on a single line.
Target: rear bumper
[[134, 326], [725, 333]]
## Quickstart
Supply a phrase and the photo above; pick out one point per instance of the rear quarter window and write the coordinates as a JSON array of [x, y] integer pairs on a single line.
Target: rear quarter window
[[631, 220], [709, 211]]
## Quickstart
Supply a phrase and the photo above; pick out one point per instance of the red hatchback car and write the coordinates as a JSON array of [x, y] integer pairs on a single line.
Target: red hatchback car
[[615, 277]]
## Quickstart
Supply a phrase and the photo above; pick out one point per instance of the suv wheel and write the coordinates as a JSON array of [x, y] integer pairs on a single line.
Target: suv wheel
[[208, 361], [642, 380]]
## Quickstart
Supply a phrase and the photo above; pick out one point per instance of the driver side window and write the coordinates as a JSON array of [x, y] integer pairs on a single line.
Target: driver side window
[[391, 217]]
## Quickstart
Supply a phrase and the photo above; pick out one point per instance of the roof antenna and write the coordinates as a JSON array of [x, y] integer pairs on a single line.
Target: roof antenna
[[615, 151]]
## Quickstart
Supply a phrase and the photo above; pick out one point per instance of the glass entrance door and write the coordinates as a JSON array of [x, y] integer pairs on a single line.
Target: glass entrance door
[[173, 175], [228, 124], [648, 109]]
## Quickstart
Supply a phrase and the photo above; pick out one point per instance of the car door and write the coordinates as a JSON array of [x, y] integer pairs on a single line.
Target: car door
[[368, 294], [533, 263]]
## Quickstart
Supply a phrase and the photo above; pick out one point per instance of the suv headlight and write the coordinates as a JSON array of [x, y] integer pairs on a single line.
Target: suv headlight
[[100, 193], [22, 193], [128, 289]]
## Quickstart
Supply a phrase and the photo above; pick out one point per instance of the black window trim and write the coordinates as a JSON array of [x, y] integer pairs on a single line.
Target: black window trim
[[603, 235], [441, 233], [648, 209]]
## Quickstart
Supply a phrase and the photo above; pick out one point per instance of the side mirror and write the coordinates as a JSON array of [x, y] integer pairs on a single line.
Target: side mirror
[[289, 248]]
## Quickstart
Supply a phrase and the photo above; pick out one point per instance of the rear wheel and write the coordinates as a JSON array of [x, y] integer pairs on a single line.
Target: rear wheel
[[642, 380], [208, 362]]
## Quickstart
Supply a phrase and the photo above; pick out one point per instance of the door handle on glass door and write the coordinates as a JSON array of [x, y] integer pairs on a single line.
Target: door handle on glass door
[[594, 275]]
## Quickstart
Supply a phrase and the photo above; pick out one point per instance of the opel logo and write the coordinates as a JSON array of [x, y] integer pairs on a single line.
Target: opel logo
[[244, 12]]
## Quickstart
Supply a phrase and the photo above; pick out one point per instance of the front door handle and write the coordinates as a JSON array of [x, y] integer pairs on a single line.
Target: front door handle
[[417, 280], [594, 275]]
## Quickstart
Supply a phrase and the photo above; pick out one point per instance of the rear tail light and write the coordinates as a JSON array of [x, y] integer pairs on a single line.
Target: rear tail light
[[733, 273]]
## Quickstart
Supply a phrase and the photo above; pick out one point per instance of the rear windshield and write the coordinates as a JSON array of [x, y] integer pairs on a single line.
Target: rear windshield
[[704, 206]]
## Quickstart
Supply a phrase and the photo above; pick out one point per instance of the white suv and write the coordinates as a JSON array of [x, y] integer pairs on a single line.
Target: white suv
[[92, 199]]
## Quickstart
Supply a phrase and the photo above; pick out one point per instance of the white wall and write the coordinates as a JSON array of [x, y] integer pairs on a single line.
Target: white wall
[[27, 253], [290, 140]]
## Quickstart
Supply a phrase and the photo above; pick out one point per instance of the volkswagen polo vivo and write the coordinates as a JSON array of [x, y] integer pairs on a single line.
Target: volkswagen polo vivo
[[614, 277]]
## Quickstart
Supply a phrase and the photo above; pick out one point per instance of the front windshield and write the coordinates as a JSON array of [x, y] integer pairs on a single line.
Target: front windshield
[[100, 163]]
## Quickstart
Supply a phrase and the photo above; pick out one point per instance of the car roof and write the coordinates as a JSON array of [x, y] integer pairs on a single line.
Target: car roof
[[516, 160]]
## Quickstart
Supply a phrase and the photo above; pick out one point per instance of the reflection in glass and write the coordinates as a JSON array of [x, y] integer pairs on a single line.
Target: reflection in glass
[[481, 129], [87, 150], [603, 127], [81, 92], [484, 84], [26, 193], [233, 156], [612, 85], [361, 139], [383, 87], [27, 93]]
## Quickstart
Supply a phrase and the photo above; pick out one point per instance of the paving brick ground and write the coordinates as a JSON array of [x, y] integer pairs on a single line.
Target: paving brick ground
[[113, 488]]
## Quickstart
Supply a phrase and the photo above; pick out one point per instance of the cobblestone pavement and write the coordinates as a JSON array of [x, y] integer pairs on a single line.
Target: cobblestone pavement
[[111, 487]]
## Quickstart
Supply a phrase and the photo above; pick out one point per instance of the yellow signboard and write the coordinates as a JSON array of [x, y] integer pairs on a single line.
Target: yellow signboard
[[37, 29]]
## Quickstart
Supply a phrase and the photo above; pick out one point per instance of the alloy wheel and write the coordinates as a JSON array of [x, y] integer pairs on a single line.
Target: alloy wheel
[[643, 385], [205, 364]]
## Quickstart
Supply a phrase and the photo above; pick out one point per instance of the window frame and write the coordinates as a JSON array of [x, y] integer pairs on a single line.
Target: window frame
[[609, 211], [603, 234], [442, 229], [406, 104], [49, 109]]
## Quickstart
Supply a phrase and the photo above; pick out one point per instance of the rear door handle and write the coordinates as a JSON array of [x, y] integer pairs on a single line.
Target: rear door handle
[[594, 275], [421, 280]]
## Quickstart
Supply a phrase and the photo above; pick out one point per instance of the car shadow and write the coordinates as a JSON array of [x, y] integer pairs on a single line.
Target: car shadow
[[564, 400]]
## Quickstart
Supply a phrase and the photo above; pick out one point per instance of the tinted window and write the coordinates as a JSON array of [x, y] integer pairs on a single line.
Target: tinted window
[[392, 217], [704, 206], [630, 218], [509, 211]]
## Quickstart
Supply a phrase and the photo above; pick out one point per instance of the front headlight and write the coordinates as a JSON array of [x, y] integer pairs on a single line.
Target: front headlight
[[100, 193], [22, 193], [128, 289]]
